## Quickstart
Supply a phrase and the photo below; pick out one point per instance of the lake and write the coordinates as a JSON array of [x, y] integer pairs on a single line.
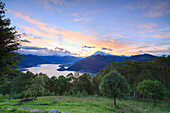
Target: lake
[[49, 69]]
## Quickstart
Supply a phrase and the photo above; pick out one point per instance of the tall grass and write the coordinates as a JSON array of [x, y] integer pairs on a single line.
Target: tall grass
[[89, 104]]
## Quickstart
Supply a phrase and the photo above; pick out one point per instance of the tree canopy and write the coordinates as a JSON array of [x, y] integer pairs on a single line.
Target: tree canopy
[[153, 89], [115, 86], [9, 43]]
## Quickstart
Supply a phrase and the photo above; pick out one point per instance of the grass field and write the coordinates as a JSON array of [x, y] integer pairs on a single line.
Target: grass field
[[88, 104]]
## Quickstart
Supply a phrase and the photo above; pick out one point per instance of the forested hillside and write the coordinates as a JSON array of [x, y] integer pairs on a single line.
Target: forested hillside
[[94, 63]]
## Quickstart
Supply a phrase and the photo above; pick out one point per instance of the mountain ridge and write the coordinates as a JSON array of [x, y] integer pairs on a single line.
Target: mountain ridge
[[34, 60], [94, 63]]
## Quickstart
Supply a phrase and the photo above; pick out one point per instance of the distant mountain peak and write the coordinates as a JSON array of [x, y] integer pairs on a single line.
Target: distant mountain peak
[[101, 53]]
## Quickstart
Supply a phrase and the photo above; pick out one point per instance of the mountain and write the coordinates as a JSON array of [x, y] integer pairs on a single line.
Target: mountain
[[31, 60], [95, 62], [34, 60], [101, 53], [99, 60], [61, 59], [143, 57]]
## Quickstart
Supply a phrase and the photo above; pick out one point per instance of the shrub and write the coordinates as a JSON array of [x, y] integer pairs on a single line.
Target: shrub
[[16, 95], [65, 93], [1, 97], [78, 94], [84, 93], [7, 96]]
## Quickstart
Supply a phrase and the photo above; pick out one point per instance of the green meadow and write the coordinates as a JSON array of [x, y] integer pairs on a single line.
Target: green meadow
[[89, 104]]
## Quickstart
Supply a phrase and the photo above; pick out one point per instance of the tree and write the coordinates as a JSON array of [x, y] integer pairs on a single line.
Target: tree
[[115, 86], [62, 85], [37, 87], [153, 89], [9, 42], [84, 83]]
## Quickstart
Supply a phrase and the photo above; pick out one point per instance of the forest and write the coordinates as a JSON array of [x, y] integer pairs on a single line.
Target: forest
[[17, 84]]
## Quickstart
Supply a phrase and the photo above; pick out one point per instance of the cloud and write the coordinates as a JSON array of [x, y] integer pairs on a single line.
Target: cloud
[[27, 18], [159, 8], [140, 51], [38, 41], [60, 2], [150, 8], [143, 46], [161, 35], [38, 32], [33, 48], [69, 41], [156, 51], [68, 36], [77, 19], [148, 26], [85, 46], [42, 51], [59, 49], [75, 14], [26, 41], [49, 4], [107, 49]]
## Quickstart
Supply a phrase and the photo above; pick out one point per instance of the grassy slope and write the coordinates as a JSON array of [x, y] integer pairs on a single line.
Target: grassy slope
[[89, 104]]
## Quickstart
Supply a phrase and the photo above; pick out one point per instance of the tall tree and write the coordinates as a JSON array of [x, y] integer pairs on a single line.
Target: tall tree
[[9, 42], [115, 86], [153, 89]]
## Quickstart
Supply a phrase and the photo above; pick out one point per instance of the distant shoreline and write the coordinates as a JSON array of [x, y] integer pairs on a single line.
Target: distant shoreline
[[60, 65]]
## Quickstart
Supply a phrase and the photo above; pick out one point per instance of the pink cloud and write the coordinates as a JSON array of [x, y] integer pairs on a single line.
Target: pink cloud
[[77, 19], [71, 39], [27, 18], [162, 35], [48, 4], [159, 8], [38, 32], [75, 14], [151, 8], [148, 27]]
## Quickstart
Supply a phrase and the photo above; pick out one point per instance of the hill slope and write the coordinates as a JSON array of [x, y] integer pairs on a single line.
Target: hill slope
[[94, 63], [143, 57], [60, 59], [34, 60], [31, 60]]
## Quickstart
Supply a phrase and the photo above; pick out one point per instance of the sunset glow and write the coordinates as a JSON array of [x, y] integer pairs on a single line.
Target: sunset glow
[[82, 27]]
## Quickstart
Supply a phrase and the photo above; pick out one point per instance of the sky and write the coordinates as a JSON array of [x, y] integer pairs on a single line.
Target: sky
[[82, 27]]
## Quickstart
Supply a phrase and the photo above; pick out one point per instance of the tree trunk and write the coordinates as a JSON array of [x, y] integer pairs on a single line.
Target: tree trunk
[[134, 95], [154, 100], [163, 78], [115, 102]]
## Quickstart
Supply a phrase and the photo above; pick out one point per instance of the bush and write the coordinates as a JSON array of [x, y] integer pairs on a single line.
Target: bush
[[65, 93], [84, 93], [7, 96], [71, 93], [78, 94], [1, 97], [16, 95], [96, 95], [48, 93]]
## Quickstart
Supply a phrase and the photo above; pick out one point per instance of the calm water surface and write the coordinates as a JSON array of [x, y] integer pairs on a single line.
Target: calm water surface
[[49, 69]]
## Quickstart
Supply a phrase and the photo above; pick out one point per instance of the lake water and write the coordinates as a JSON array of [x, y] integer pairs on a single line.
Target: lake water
[[49, 69]]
